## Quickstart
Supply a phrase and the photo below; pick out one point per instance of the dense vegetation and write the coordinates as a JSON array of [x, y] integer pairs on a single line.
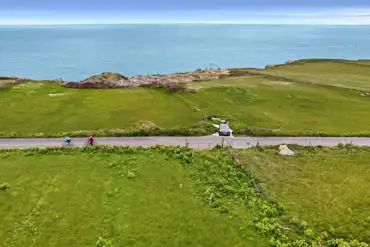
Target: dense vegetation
[[302, 98], [115, 196], [325, 187]]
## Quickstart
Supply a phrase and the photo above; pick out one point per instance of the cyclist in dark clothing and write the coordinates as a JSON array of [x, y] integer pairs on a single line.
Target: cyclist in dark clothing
[[91, 141]]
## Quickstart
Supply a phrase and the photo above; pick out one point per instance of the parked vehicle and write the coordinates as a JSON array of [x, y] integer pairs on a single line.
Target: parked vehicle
[[224, 130]]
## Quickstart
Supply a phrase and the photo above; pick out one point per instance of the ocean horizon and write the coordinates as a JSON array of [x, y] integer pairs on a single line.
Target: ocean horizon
[[74, 52]]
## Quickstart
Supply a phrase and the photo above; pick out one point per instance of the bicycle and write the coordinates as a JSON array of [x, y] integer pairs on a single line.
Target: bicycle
[[67, 144]]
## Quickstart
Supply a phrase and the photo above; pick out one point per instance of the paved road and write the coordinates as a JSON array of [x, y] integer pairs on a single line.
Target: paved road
[[206, 142]]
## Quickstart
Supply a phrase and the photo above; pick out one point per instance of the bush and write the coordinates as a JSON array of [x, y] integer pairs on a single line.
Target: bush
[[4, 187], [102, 242]]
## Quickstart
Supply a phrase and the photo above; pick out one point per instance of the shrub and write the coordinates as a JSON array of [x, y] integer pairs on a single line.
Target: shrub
[[102, 242], [4, 187], [131, 174]]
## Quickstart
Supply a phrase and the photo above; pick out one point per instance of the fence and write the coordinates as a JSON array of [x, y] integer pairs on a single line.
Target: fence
[[207, 145]]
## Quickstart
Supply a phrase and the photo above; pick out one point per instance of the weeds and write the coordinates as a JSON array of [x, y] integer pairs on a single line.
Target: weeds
[[4, 186], [221, 179], [102, 242]]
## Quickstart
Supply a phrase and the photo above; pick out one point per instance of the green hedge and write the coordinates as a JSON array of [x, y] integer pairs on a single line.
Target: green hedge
[[200, 129]]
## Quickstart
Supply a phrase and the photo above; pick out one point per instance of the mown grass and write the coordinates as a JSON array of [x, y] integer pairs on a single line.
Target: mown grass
[[328, 188], [37, 107], [284, 103], [138, 198]]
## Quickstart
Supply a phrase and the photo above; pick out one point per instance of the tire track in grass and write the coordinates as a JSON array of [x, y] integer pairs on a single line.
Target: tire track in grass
[[193, 107]]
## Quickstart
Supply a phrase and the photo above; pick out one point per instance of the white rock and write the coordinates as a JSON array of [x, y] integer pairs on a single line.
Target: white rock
[[216, 119], [285, 151]]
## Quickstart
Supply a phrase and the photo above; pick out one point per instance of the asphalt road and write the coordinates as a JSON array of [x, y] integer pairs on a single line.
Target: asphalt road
[[206, 142]]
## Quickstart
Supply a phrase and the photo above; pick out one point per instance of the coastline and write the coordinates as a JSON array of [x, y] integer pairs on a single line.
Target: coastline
[[211, 73]]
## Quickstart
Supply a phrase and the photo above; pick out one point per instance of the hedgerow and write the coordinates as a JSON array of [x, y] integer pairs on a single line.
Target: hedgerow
[[200, 129]]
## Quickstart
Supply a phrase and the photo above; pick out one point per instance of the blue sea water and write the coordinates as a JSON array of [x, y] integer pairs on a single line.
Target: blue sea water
[[76, 52]]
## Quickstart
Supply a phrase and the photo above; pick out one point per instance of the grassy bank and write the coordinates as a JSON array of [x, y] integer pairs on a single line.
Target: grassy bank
[[303, 98], [325, 187], [129, 197], [338, 73]]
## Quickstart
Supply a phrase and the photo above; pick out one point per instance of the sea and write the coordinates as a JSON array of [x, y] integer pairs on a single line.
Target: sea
[[78, 51]]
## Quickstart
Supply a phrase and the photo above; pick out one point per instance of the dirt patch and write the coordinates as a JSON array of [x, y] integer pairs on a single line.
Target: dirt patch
[[31, 85], [277, 83], [146, 125], [56, 94]]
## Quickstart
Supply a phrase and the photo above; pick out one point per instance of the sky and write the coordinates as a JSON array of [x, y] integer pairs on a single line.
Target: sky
[[24, 12]]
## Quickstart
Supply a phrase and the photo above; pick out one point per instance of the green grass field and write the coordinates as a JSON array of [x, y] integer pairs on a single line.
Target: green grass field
[[345, 74], [179, 197], [135, 198], [284, 102], [328, 188]]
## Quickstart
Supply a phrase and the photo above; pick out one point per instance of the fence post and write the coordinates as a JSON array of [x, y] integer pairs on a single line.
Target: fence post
[[222, 143], [186, 142]]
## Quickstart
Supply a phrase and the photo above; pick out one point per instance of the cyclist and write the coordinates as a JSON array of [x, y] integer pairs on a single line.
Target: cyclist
[[67, 140], [91, 141]]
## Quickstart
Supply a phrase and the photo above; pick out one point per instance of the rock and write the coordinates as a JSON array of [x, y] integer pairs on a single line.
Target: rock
[[268, 66], [7, 82], [285, 151], [173, 82], [216, 119], [290, 61], [104, 80], [106, 77]]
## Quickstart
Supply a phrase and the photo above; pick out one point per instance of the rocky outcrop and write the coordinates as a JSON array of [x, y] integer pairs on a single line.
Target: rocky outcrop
[[106, 77], [104, 80], [7, 82], [171, 81]]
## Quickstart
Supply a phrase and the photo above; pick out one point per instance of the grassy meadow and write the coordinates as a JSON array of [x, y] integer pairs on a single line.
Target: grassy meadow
[[117, 196], [302, 98], [337, 73], [126, 197], [327, 188]]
